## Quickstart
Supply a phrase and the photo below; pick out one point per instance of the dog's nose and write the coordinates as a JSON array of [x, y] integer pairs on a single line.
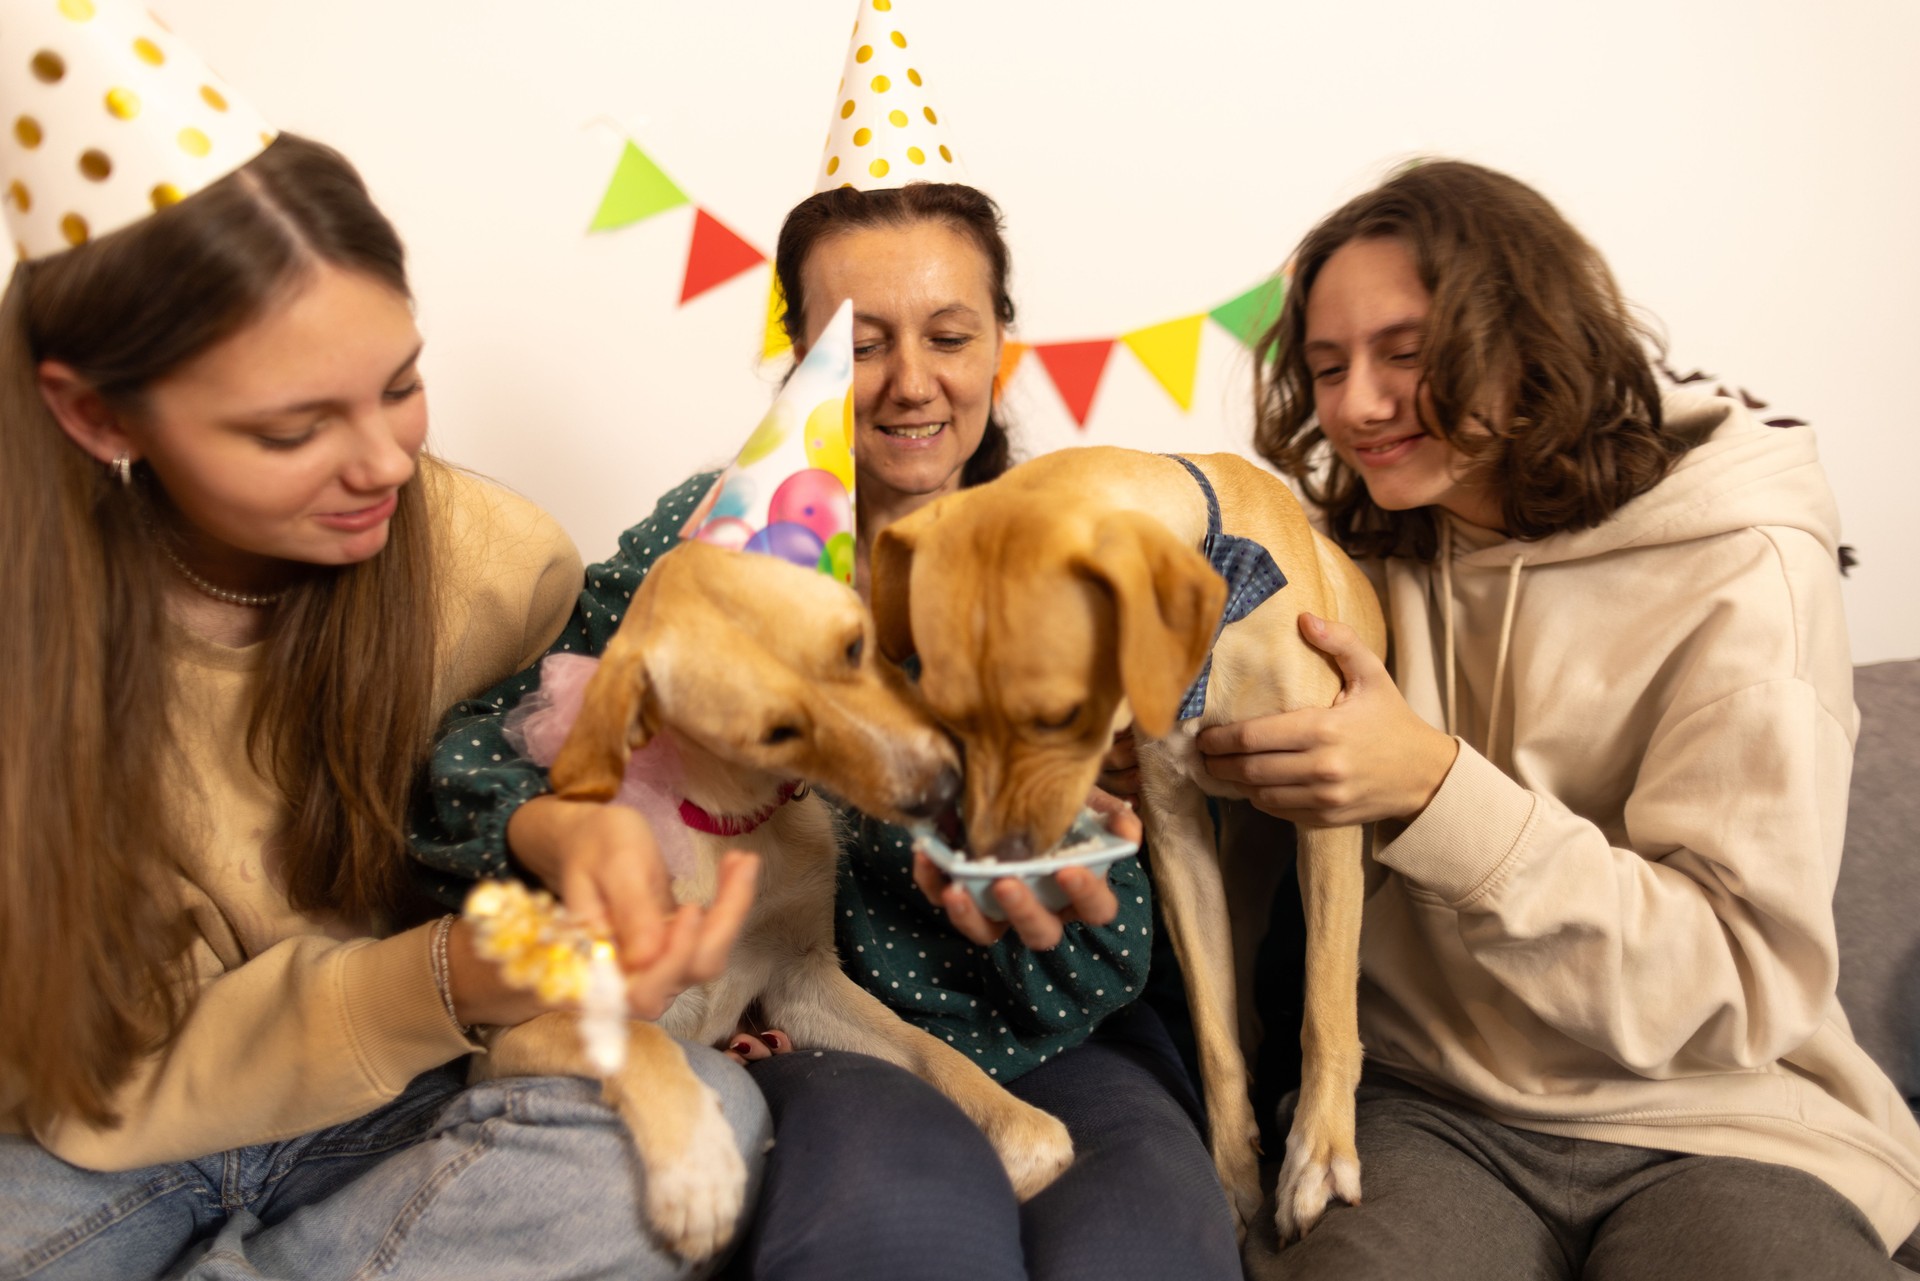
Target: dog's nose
[[1011, 849], [945, 789]]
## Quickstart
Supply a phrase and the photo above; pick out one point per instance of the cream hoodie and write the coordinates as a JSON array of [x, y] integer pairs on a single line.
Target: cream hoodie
[[297, 1024], [1614, 921]]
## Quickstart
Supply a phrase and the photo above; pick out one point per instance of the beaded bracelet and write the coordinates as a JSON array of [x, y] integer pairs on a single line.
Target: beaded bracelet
[[443, 969]]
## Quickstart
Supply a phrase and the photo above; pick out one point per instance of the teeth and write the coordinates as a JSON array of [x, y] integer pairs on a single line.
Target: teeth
[[915, 433]]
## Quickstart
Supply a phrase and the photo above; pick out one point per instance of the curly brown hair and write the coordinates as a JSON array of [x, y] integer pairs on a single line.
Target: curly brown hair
[[1523, 308]]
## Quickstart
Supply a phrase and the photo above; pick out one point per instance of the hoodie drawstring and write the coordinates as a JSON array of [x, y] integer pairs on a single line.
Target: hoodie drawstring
[[1506, 637], [1446, 613], [1500, 661]]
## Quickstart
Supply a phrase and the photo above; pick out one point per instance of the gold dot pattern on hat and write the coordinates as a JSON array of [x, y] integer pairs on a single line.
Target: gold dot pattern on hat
[[74, 228], [27, 130], [95, 165], [123, 104], [48, 67], [213, 97], [148, 52], [881, 110], [194, 143], [78, 10], [163, 195], [22, 198]]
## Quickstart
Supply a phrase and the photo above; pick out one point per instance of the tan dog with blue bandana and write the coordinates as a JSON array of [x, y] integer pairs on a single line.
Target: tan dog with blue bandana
[[1073, 596]]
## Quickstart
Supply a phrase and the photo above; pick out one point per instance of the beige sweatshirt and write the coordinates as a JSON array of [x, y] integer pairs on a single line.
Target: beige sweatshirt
[[1615, 921], [297, 1025]]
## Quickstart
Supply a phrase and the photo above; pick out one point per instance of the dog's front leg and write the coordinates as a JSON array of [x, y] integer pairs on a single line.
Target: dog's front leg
[[821, 1008], [1321, 1161], [696, 1183], [1186, 877]]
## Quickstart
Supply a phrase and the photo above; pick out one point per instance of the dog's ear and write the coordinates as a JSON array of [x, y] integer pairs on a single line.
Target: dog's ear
[[1168, 601], [613, 721], [888, 585]]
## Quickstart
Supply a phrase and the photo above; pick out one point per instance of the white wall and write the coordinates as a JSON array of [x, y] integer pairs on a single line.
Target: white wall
[[1751, 167]]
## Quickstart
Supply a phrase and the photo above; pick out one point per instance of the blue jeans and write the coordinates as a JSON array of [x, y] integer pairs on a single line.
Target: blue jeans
[[533, 1177], [876, 1176]]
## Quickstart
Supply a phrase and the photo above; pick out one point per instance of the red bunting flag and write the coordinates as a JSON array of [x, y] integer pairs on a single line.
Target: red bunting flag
[[716, 256], [1076, 368]]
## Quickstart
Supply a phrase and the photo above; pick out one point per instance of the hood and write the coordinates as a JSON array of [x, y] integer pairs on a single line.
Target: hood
[[1742, 473]]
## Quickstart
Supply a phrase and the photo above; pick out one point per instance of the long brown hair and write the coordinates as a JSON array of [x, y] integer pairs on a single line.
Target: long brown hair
[[1524, 312], [91, 926], [967, 210]]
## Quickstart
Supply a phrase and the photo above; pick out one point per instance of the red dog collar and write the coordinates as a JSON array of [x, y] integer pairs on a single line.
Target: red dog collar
[[736, 825]]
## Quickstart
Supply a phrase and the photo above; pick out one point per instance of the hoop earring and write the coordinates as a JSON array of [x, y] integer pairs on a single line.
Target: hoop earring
[[122, 469]]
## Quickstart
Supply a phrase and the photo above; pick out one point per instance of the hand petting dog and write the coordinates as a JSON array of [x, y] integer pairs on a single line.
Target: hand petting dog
[[1366, 758]]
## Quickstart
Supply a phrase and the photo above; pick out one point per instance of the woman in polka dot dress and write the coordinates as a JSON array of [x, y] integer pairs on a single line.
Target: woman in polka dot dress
[[875, 1174], [235, 585]]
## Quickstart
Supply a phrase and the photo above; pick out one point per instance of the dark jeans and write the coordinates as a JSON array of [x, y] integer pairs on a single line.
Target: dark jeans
[[875, 1175]]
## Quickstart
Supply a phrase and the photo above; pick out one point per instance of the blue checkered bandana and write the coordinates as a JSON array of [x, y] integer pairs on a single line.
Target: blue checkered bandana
[[1251, 578]]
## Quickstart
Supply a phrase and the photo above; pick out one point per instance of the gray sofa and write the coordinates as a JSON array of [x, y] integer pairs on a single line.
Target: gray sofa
[[1876, 906]]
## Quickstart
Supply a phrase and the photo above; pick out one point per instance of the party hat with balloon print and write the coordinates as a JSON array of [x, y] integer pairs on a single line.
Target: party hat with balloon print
[[886, 128], [790, 491], [109, 116]]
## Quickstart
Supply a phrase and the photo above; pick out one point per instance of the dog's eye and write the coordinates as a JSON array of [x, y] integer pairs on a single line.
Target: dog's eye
[[1062, 722], [855, 650], [780, 734]]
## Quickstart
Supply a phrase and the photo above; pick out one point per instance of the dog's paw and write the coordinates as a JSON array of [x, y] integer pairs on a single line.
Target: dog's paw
[[1319, 1167], [695, 1196], [1034, 1146]]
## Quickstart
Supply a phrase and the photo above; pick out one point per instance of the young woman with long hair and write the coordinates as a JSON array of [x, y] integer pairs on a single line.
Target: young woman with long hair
[[238, 594]]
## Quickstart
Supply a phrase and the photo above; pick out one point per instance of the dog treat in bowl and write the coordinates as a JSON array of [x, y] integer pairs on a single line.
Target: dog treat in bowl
[[1087, 844]]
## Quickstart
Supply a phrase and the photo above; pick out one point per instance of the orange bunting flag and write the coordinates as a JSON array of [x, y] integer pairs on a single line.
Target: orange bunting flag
[[1075, 368], [716, 256], [1171, 353], [1010, 354]]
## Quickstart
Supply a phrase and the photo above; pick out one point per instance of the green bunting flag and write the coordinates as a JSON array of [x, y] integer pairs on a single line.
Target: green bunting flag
[[1249, 316], [639, 190]]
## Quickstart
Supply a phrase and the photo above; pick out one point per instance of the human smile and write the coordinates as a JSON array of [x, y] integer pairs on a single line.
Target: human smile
[[912, 431], [352, 522], [1384, 453]]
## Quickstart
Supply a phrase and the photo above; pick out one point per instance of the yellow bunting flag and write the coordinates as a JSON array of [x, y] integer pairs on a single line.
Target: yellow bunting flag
[[1171, 353], [774, 342]]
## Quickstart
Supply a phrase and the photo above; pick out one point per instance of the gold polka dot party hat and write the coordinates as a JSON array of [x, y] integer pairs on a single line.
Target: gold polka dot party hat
[[887, 130], [108, 117]]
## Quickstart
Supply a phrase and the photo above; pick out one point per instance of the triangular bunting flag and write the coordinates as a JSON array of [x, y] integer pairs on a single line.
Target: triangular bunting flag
[[1171, 353], [775, 341], [639, 190], [716, 256], [1010, 354], [1075, 368], [1252, 313]]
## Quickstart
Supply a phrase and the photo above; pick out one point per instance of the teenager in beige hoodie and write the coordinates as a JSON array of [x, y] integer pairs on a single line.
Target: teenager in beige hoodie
[[1609, 770]]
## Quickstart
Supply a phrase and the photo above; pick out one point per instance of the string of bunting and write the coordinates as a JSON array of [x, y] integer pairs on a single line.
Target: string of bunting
[[1169, 351]]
